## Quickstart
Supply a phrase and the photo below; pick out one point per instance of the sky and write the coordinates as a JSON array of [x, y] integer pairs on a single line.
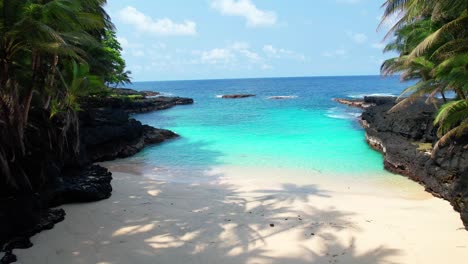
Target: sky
[[218, 39]]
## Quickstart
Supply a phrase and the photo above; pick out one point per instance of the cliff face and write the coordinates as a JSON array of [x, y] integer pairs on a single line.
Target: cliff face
[[406, 137]]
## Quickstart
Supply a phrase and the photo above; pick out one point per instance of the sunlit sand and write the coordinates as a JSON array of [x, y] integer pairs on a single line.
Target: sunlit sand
[[254, 215]]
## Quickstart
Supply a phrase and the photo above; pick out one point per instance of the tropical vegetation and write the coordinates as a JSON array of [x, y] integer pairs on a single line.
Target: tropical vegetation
[[431, 40], [52, 52]]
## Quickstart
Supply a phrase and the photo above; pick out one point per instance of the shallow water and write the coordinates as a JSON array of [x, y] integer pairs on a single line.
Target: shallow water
[[306, 130]]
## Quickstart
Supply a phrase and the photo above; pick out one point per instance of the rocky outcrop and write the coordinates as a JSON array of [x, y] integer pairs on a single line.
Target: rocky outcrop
[[47, 221], [359, 103], [406, 136], [89, 184], [237, 96], [24, 215], [127, 91], [136, 105], [108, 134]]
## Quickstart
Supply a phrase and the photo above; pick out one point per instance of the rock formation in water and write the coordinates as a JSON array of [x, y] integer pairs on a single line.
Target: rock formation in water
[[237, 96]]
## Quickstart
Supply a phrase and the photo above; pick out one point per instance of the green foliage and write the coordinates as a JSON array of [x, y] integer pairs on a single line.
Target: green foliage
[[129, 97], [431, 37], [112, 51], [52, 52]]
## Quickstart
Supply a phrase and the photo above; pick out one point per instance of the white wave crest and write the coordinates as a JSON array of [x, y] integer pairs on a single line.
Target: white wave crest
[[338, 113], [279, 97], [374, 94]]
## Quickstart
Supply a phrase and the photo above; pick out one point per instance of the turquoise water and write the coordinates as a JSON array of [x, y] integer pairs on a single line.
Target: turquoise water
[[308, 131]]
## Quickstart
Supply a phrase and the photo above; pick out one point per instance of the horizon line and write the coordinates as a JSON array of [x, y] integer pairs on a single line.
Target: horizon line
[[253, 78]]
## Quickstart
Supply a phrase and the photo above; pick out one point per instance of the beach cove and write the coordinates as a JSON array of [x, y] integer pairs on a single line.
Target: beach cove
[[240, 186], [254, 216]]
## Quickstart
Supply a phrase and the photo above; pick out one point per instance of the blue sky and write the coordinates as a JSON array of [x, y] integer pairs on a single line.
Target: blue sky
[[216, 39]]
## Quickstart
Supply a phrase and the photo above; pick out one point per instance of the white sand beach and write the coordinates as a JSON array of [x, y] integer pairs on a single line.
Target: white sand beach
[[247, 215]]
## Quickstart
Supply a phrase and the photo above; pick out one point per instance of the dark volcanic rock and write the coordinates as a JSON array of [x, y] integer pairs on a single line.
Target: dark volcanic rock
[[107, 134], [156, 135], [403, 136], [149, 93], [22, 228], [359, 103], [25, 215], [92, 183], [127, 91], [136, 105], [237, 96]]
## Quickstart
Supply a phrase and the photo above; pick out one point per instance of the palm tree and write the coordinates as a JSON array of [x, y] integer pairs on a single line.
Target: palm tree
[[432, 39], [44, 63]]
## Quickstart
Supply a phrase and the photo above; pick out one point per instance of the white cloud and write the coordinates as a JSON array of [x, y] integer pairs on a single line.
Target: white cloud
[[282, 53], [334, 53], [359, 38], [231, 54], [216, 56], [245, 8], [250, 55], [243, 48], [270, 50], [126, 44], [147, 24], [123, 42]]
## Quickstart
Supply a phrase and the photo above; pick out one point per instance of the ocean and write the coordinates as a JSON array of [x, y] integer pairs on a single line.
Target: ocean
[[307, 131]]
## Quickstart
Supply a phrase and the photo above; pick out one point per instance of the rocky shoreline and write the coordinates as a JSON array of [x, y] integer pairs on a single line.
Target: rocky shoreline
[[106, 133], [406, 138], [143, 105]]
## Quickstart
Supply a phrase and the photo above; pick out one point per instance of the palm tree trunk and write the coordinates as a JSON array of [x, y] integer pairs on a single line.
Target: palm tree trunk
[[443, 96], [460, 94], [52, 80], [27, 106], [27, 100]]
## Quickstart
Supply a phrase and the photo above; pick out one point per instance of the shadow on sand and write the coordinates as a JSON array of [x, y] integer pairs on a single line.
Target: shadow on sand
[[147, 221]]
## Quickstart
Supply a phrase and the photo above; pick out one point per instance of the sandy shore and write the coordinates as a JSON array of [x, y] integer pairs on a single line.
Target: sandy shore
[[256, 216]]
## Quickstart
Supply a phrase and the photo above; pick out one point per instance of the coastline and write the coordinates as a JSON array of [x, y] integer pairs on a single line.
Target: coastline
[[406, 138], [238, 219], [350, 221]]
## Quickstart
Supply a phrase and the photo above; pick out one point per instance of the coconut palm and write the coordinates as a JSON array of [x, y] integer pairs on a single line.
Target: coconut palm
[[45, 63], [431, 37]]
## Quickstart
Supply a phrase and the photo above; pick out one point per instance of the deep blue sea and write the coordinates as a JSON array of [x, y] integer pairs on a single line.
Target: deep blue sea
[[306, 131]]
